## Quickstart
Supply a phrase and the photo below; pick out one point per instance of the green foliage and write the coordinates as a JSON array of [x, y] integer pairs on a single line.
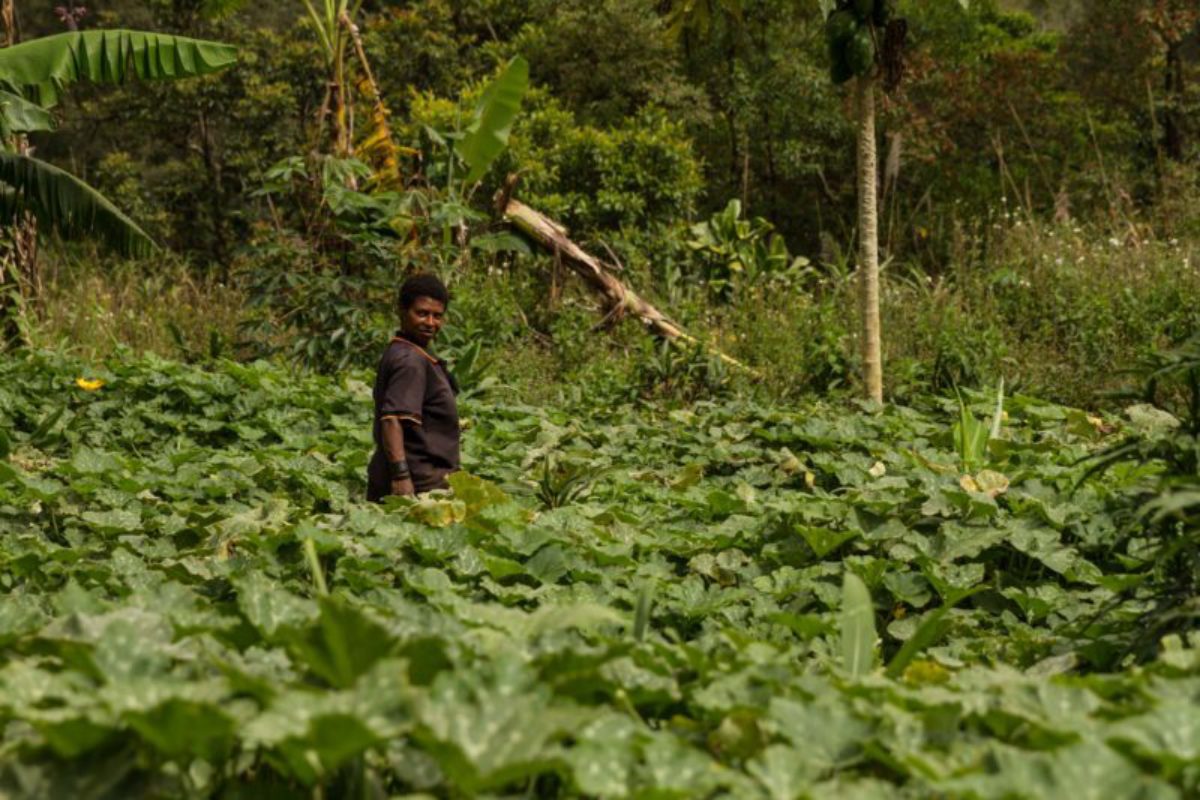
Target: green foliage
[[486, 137], [41, 68], [1166, 528], [66, 205], [202, 602], [609, 60], [741, 253], [18, 115], [852, 30], [36, 72], [857, 626], [314, 313], [641, 174], [971, 435]]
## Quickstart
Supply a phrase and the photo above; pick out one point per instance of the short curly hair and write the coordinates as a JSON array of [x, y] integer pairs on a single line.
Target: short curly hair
[[425, 284]]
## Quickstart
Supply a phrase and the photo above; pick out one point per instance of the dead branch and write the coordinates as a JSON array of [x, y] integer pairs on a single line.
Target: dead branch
[[618, 298]]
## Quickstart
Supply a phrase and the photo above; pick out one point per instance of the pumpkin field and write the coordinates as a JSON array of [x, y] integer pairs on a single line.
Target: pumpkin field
[[726, 600]]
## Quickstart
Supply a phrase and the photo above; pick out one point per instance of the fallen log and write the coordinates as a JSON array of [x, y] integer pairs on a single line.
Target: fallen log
[[618, 297]]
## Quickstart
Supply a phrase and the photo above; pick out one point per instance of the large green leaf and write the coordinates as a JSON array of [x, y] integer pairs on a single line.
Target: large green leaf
[[488, 133], [40, 68], [933, 627], [343, 644], [857, 626], [18, 115], [66, 205]]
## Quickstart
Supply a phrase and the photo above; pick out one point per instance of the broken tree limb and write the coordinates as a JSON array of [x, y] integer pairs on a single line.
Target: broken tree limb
[[618, 297]]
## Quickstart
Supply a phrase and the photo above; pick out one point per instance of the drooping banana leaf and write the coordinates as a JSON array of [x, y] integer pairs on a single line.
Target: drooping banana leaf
[[487, 136], [18, 115], [40, 68], [66, 205]]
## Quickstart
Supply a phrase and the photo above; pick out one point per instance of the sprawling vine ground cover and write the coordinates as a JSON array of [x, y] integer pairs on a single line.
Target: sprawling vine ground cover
[[196, 602]]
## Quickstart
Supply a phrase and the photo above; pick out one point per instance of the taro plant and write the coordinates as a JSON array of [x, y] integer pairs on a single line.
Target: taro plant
[[740, 252]]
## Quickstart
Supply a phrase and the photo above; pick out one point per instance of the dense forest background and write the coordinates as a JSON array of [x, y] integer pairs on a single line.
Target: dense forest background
[[1038, 189]]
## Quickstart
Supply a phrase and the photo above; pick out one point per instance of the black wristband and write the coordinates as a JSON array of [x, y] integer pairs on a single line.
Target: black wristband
[[399, 470]]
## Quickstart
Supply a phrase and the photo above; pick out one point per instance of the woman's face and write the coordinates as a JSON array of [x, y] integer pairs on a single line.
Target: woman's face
[[422, 320]]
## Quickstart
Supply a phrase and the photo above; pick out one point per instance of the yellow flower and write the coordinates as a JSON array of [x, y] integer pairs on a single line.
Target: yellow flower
[[89, 384]]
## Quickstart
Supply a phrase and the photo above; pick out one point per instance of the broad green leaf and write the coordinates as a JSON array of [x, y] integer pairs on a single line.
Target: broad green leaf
[[329, 742], [548, 564], [675, 769], [824, 731], [44, 66], [269, 607], [18, 115], [65, 205], [824, 541], [487, 135], [342, 644], [20, 615], [87, 461], [181, 728], [1084, 771], [581, 616], [603, 759], [932, 627], [476, 493], [857, 626], [781, 773], [116, 521], [1169, 734], [489, 730]]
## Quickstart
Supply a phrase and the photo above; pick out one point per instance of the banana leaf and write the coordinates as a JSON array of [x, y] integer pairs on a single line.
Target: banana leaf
[[66, 205], [40, 68], [487, 136]]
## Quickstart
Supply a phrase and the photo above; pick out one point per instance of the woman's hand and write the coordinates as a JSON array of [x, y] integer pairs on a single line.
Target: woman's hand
[[403, 487]]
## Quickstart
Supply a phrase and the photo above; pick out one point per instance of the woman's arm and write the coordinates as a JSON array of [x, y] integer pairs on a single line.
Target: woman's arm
[[393, 448]]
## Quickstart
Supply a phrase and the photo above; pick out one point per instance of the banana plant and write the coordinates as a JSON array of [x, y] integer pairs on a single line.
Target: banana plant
[[34, 74], [486, 136], [329, 20]]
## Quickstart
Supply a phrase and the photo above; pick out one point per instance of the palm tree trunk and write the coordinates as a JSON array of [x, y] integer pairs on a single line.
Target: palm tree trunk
[[868, 240]]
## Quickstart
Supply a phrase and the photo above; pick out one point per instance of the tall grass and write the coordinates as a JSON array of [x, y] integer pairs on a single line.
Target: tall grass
[[92, 308], [1060, 311]]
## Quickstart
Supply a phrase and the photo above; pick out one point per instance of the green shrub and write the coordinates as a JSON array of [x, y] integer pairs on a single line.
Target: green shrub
[[642, 174]]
